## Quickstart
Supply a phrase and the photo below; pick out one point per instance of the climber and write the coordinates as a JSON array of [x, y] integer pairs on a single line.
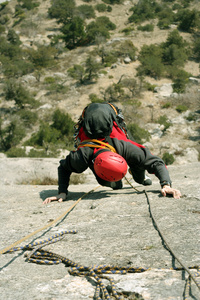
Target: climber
[[104, 146]]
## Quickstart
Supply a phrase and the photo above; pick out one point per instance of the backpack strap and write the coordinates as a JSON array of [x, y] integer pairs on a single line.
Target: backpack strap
[[113, 107], [96, 144]]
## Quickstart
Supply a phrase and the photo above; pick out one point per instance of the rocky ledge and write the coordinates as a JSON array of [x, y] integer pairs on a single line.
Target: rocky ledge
[[113, 228]]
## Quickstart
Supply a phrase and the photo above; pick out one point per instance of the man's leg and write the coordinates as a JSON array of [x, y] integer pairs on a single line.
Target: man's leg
[[115, 185], [140, 177]]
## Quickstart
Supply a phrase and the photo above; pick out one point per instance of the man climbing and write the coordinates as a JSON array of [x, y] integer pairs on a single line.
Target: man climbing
[[103, 146]]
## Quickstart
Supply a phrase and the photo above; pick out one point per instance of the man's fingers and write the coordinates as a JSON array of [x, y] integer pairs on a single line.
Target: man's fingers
[[176, 194], [168, 190], [48, 200], [163, 192]]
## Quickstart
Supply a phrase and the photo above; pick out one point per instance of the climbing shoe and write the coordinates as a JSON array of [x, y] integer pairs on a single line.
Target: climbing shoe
[[147, 180], [117, 185]]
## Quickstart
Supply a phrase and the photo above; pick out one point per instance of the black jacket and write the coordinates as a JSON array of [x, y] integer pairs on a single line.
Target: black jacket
[[138, 159]]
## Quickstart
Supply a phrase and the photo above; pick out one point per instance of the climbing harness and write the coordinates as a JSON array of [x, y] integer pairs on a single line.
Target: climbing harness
[[40, 256]]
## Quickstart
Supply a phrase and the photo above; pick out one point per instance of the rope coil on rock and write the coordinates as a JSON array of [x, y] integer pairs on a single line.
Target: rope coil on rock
[[40, 256], [97, 272]]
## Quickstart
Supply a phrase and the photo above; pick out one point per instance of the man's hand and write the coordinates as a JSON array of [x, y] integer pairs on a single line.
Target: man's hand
[[166, 189], [59, 198]]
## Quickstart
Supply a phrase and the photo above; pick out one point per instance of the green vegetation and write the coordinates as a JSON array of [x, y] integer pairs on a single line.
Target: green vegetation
[[11, 135], [168, 158], [87, 72], [163, 120], [147, 27], [166, 60], [60, 132], [15, 91], [181, 108], [46, 180], [88, 28], [139, 134], [75, 31], [95, 99], [166, 105], [101, 7], [28, 4], [85, 11], [145, 10], [16, 152], [196, 49]]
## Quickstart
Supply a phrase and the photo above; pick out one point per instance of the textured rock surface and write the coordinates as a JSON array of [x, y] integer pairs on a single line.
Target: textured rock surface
[[113, 227]]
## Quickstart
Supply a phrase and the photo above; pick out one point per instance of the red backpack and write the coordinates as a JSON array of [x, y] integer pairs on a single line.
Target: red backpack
[[99, 122]]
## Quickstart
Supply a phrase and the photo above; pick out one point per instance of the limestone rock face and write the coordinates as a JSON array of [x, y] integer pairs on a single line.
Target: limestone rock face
[[114, 227]]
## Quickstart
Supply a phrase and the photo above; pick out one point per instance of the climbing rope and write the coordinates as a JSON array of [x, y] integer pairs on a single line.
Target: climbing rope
[[169, 248], [97, 272], [49, 224]]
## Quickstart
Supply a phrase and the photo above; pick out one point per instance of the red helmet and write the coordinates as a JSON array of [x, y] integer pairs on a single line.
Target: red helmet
[[110, 166]]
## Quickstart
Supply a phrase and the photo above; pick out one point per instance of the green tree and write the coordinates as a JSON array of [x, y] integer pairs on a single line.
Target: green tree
[[100, 27], [180, 81], [73, 32], [28, 117], [45, 136], [114, 93], [3, 5], [11, 135], [150, 58], [85, 11], [15, 67], [15, 91], [43, 57], [13, 37], [101, 7], [105, 21], [63, 123], [189, 20], [28, 4], [9, 50], [174, 38], [143, 10], [77, 72], [94, 30], [132, 85], [62, 10], [166, 17], [172, 55], [196, 49], [92, 68]]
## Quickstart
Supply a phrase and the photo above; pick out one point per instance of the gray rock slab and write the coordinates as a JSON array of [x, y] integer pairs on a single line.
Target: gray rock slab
[[113, 228]]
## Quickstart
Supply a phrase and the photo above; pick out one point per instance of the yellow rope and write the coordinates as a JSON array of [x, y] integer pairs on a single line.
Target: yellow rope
[[88, 143], [47, 225]]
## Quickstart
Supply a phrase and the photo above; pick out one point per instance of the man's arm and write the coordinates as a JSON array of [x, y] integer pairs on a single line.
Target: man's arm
[[143, 159], [76, 161], [60, 197], [63, 183]]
